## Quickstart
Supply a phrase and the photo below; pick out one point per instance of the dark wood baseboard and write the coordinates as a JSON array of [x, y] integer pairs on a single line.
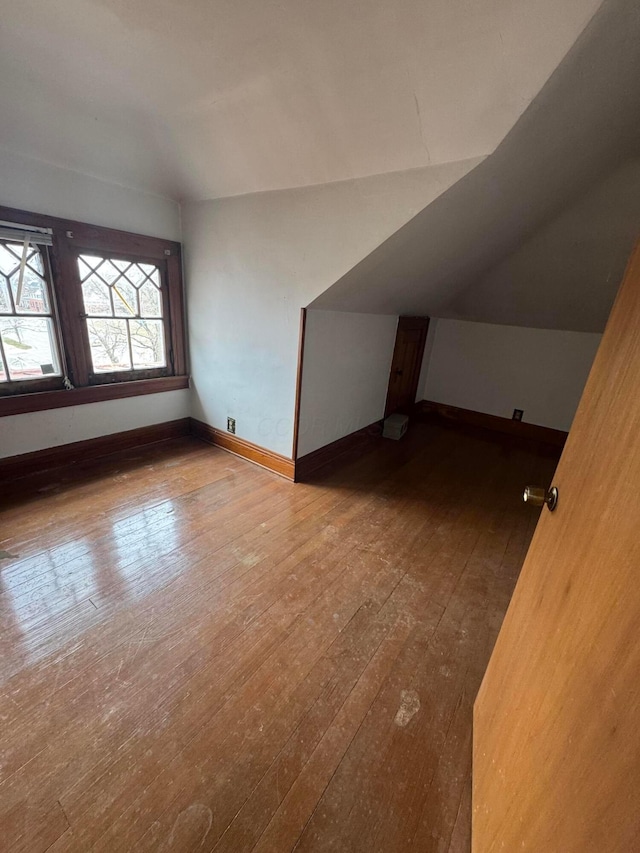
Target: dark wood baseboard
[[520, 429], [92, 448], [246, 449], [64, 455], [354, 442]]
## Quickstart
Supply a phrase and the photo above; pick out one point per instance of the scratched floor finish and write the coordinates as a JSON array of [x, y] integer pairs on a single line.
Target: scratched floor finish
[[197, 655]]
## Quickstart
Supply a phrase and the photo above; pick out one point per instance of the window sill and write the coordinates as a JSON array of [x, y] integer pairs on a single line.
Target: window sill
[[43, 400]]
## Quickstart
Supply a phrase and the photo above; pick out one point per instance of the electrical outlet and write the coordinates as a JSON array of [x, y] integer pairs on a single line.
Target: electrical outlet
[[517, 414], [231, 425]]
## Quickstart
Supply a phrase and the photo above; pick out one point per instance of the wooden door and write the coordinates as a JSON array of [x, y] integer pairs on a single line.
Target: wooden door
[[557, 719], [407, 361]]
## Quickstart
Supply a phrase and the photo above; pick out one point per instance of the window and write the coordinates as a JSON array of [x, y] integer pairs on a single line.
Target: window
[[86, 313], [29, 349], [124, 314]]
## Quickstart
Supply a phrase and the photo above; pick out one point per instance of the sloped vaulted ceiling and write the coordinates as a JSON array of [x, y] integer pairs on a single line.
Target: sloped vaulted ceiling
[[201, 99], [539, 232], [205, 99]]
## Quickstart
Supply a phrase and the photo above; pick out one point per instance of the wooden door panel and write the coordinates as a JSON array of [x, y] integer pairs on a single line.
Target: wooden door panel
[[557, 719], [406, 363]]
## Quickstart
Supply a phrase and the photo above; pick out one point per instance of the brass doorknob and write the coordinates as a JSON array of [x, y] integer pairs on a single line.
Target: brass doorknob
[[537, 496]]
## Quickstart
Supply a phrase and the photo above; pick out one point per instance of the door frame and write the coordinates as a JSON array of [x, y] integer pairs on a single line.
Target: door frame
[[408, 323]]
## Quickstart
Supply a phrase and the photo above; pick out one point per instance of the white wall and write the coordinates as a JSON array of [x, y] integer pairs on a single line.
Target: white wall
[[38, 430], [252, 262], [496, 369], [347, 358], [43, 188]]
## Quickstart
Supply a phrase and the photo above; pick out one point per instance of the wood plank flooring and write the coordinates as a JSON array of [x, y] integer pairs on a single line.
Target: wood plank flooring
[[197, 655]]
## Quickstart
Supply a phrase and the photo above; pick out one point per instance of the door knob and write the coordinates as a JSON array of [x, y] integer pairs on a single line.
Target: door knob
[[537, 496]]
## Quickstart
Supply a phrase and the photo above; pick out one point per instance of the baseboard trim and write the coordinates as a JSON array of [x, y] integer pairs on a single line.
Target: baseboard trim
[[14, 467], [64, 455], [246, 449], [358, 440], [521, 429]]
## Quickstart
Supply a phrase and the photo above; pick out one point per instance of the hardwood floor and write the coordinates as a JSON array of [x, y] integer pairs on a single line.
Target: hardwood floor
[[199, 655]]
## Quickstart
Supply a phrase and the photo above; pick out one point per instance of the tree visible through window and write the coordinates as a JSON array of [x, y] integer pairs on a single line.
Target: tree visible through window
[[124, 313], [28, 346], [87, 313]]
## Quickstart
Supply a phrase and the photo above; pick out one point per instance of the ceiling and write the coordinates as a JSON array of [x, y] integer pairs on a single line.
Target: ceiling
[[210, 98], [537, 234], [567, 273]]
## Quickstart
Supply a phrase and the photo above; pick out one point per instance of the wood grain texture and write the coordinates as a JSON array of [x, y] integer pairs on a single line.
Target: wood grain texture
[[197, 655], [406, 364], [519, 429], [67, 455], [95, 236], [246, 449], [557, 721]]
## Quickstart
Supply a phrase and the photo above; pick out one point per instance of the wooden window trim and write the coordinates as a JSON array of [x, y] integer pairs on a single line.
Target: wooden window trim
[[69, 239], [39, 401]]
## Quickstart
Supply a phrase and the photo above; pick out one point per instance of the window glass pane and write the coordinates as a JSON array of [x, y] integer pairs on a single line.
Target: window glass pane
[[5, 302], [88, 263], [3, 375], [108, 272], [116, 288], [95, 295], [150, 302], [29, 347], [84, 269], [34, 259], [136, 276], [121, 266], [109, 342], [26, 327], [147, 343], [10, 255], [125, 301], [33, 296]]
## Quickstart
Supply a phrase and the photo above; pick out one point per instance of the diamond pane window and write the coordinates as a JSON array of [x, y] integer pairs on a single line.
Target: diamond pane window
[[124, 308], [93, 311], [28, 346]]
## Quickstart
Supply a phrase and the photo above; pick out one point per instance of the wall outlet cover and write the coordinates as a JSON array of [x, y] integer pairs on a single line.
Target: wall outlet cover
[[231, 425], [517, 414]]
